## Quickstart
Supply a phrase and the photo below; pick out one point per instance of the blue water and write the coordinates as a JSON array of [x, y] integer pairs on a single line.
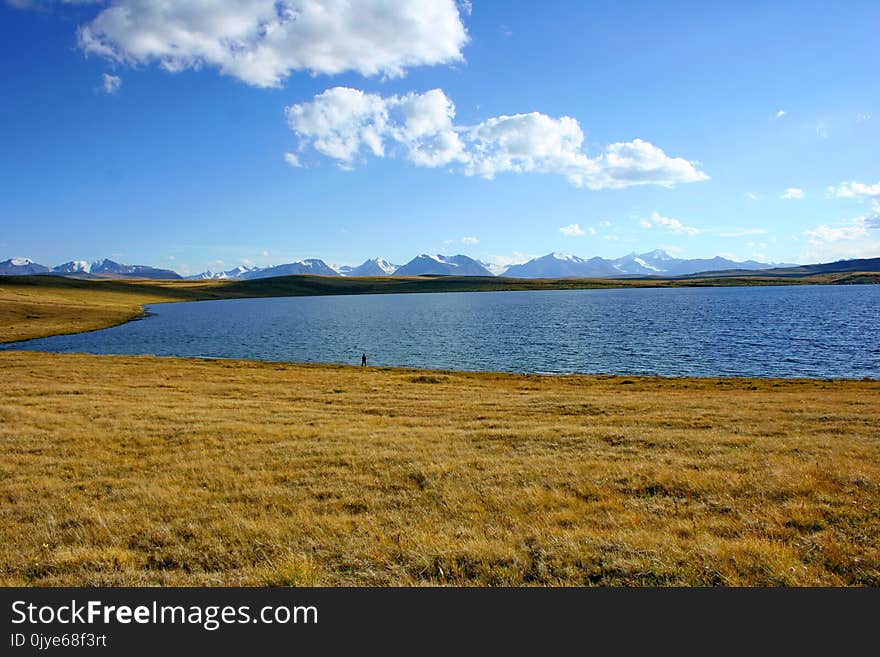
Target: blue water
[[812, 331]]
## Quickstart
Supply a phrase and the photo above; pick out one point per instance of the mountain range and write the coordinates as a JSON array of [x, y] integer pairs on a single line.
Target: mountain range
[[653, 263], [552, 265]]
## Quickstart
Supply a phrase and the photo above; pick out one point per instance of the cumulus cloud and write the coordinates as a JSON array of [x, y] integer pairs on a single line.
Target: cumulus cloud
[[780, 114], [855, 189], [111, 83], [261, 42], [674, 225], [470, 240], [292, 159], [572, 230], [347, 124], [793, 193]]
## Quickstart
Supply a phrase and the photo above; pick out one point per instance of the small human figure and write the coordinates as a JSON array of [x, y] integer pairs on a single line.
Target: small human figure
[[363, 360]]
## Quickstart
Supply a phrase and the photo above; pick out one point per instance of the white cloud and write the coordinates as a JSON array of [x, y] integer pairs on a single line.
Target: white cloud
[[821, 130], [470, 240], [862, 117], [780, 114], [856, 238], [605, 223], [261, 42], [346, 124], [292, 159], [591, 230], [110, 83], [793, 193], [674, 225], [752, 196], [572, 230], [855, 189]]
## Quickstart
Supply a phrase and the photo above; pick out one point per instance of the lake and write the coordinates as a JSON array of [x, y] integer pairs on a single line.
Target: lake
[[809, 331]]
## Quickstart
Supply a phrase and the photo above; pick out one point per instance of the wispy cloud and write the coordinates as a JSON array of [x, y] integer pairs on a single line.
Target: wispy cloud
[[793, 193], [780, 113], [572, 230], [292, 159], [854, 238], [675, 225], [110, 83], [470, 240]]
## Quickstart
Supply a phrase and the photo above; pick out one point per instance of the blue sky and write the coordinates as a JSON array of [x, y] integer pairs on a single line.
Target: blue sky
[[153, 140]]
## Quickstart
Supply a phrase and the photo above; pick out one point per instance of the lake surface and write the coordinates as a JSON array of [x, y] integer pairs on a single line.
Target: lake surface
[[811, 331]]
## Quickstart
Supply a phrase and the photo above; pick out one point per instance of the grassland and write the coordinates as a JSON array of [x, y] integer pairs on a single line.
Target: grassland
[[140, 470], [36, 306]]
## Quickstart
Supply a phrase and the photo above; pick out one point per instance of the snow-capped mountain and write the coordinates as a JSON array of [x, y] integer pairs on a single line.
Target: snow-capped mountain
[[552, 265], [73, 267], [374, 267], [310, 266], [648, 264], [563, 265], [109, 268], [653, 263], [235, 272], [21, 267], [457, 265]]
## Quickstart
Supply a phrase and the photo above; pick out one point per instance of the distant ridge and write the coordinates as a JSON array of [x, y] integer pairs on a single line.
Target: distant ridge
[[312, 266], [21, 267], [653, 263], [837, 267], [373, 267], [109, 268], [442, 265]]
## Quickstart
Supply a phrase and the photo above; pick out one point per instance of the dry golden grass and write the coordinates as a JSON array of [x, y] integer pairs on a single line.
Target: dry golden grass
[[37, 308], [141, 470]]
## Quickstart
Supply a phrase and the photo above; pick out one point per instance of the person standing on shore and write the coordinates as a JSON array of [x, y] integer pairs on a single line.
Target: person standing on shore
[[363, 360]]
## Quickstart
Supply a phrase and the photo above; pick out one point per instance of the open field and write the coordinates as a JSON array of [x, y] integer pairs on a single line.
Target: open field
[[37, 306], [140, 470]]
